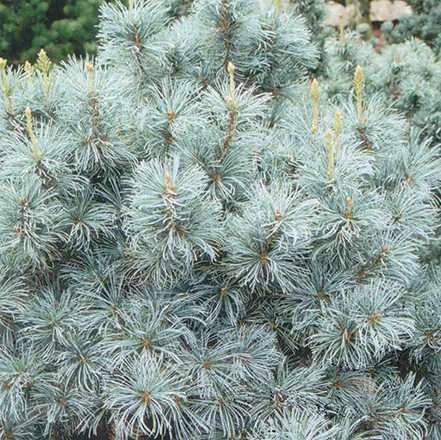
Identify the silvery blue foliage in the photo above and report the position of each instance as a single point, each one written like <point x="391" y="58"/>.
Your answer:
<point x="196" y="243"/>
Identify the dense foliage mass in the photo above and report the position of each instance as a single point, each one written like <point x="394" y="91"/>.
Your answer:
<point x="195" y="242"/>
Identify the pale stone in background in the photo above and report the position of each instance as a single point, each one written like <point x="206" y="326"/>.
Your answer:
<point x="381" y="10"/>
<point x="384" y="10"/>
<point x="338" y="15"/>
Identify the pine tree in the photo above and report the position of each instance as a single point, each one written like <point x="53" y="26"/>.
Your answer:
<point x="196" y="243"/>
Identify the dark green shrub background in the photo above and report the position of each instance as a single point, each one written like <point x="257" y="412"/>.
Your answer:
<point x="60" y="26"/>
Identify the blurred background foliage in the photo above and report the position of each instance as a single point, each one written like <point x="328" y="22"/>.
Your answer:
<point x="424" y="23"/>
